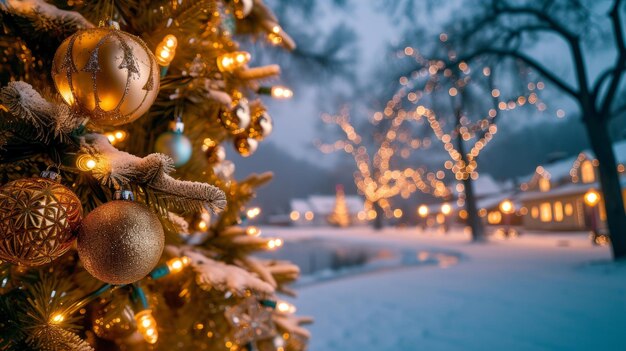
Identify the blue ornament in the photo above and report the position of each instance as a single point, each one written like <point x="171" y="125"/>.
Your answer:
<point x="175" y="145"/>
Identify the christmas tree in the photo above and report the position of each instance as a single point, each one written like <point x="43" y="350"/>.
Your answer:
<point x="101" y="247"/>
<point x="341" y="215"/>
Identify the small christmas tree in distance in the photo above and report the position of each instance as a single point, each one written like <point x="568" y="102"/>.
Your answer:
<point x="340" y="216"/>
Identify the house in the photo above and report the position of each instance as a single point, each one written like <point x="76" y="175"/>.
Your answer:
<point x="552" y="198"/>
<point x="315" y="209"/>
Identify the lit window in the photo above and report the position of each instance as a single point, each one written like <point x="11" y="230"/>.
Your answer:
<point x="544" y="184"/>
<point x="587" y="172"/>
<point x="558" y="211"/>
<point x="534" y="212"/>
<point x="569" y="209"/>
<point x="545" y="212"/>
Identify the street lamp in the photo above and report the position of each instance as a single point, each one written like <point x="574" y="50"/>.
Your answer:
<point x="422" y="211"/>
<point x="446" y="209"/>
<point x="507" y="208"/>
<point x="592" y="198"/>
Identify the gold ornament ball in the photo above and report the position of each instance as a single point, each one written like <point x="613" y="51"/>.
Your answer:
<point x="106" y="74"/>
<point x="39" y="219"/>
<point x="120" y="242"/>
<point x="237" y="119"/>
<point x="245" y="146"/>
<point x="113" y="320"/>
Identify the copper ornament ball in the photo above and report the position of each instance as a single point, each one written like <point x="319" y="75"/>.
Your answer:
<point x="107" y="75"/>
<point x="39" y="218"/>
<point x="120" y="242"/>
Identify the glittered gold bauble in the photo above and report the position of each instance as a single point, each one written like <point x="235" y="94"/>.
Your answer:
<point x="106" y="74"/>
<point x="114" y="319"/>
<point x="245" y="146"/>
<point x="237" y="119"/>
<point x="120" y="242"/>
<point x="39" y="219"/>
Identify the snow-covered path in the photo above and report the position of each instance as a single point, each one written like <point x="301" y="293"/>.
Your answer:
<point x="554" y="293"/>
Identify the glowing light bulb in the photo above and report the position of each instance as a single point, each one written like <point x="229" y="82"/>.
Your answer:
<point x="232" y="61"/>
<point x="253" y="212"/>
<point x="57" y="318"/>
<point x="592" y="197"/>
<point x="446" y="209"/>
<point x="146" y="326"/>
<point x="202" y="225"/>
<point x="422" y="211"/>
<point x="177" y="264"/>
<point x="86" y="163"/>
<point x="280" y="92"/>
<point x="120" y="135"/>
<point x="507" y="206"/>
<point x="166" y="50"/>
<point x="285" y="307"/>
<point x="253" y="231"/>
<point x="294" y="215"/>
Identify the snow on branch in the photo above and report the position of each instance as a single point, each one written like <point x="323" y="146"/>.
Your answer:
<point x="27" y="105"/>
<point x="115" y="167"/>
<point x="42" y="14"/>
<point x="213" y="274"/>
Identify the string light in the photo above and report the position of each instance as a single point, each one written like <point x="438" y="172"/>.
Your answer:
<point x="276" y="91"/>
<point x="146" y="326"/>
<point x="116" y="136"/>
<point x="253" y="212"/>
<point x="253" y="231"/>
<point x="274" y="36"/>
<point x="285" y="307"/>
<point x="422" y="211"/>
<point x="57" y="318"/>
<point x="166" y="50"/>
<point x="177" y="264"/>
<point x="232" y="61"/>
<point x="86" y="162"/>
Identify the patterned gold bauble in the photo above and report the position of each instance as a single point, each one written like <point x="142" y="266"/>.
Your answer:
<point x="261" y="125"/>
<point x="113" y="320"/>
<point x="245" y="146"/>
<point x="120" y="242"/>
<point x="106" y="74"/>
<point x="39" y="219"/>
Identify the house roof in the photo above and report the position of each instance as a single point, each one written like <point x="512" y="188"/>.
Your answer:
<point x="560" y="169"/>
<point x="485" y="185"/>
<point x="324" y="204"/>
<point x="568" y="189"/>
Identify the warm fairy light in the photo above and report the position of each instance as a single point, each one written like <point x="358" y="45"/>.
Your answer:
<point x="274" y="243"/>
<point x="86" y="163"/>
<point x="280" y="92"/>
<point x="202" y="225"/>
<point x="274" y="36"/>
<point x="397" y="213"/>
<point x="285" y="307"/>
<point x="166" y="50"/>
<point x="146" y="326"/>
<point x="507" y="206"/>
<point x="592" y="197"/>
<point x="309" y="215"/>
<point x="232" y="61"/>
<point x="294" y="215"/>
<point x="116" y="136"/>
<point x="57" y="318"/>
<point x="253" y="231"/>
<point x="422" y="211"/>
<point x="253" y="212"/>
<point x="446" y="209"/>
<point x="177" y="264"/>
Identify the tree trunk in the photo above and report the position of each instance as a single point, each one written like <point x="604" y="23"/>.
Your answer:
<point x="378" y="221"/>
<point x="473" y="220"/>
<point x="602" y="146"/>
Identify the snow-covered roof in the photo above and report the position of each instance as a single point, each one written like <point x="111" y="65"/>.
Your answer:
<point x="560" y="169"/>
<point x="485" y="185"/>
<point x="568" y="189"/>
<point x="324" y="204"/>
<point x="300" y="205"/>
<point x="495" y="200"/>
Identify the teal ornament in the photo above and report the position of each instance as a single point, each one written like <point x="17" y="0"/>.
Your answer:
<point x="174" y="144"/>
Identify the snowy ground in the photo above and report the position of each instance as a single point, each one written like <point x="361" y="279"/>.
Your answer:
<point x="536" y="292"/>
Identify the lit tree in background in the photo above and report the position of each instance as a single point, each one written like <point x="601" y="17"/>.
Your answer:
<point x="509" y="31"/>
<point x="151" y="267"/>
<point x="380" y="176"/>
<point x="340" y="215"/>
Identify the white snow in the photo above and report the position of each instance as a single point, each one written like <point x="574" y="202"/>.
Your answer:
<point x="536" y="292"/>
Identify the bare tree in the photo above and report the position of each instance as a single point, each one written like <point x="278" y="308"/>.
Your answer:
<point x="503" y="30"/>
